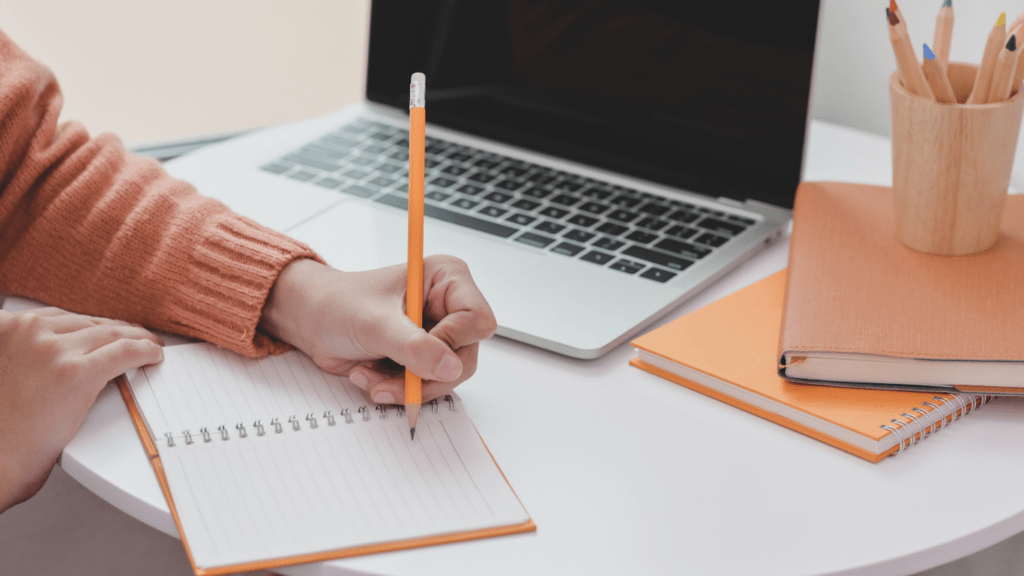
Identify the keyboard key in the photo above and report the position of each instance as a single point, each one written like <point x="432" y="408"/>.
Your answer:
<point x="611" y="229"/>
<point x="361" y="161"/>
<point x="430" y="163"/>
<point x="492" y="211"/>
<point x="513" y="170"/>
<point x="509" y="185"/>
<point x="579" y="236"/>
<point x="582" y="220"/>
<point x="464" y="203"/>
<point x="521" y="219"/>
<point x="683" y="216"/>
<point x="373" y="149"/>
<point x="328" y="182"/>
<point x="455" y="170"/>
<point x="711" y="240"/>
<point x="537" y="193"/>
<point x="641" y="237"/>
<point x="331" y="154"/>
<point x="565" y="200"/>
<point x="625" y="201"/>
<point x="569" y="185"/>
<point x="623" y="215"/>
<point x="361" y="191"/>
<point x="542" y="178"/>
<point x="652" y="224"/>
<point x="742" y="220"/>
<point x="380" y="136"/>
<point x="552" y="212"/>
<point x="442" y="182"/>
<point x="498" y="197"/>
<point x="568" y="249"/>
<point x="655" y="209"/>
<point x="487" y="163"/>
<point x="524" y="204"/>
<point x="312" y="162"/>
<point x="460" y="156"/>
<point x="609" y="244"/>
<point x="627" y="266"/>
<point x="437" y="195"/>
<point x="451" y="216"/>
<point x="721" y="226"/>
<point x="388" y="168"/>
<point x="277" y="167"/>
<point x="303" y="176"/>
<point x="356" y="174"/>
<point x="656" y="257"/>
<point x="680" y="231"/>
<point x="482" y="177"/>
<point x="597" y="257"/>
<point x="549" y="227"/>
<point x="683" y="248"/>
<point x="400" y="155"/>
<point x="596" y="193"/>
<point x="658" y="275"/>
<point x="470" y="190"/>
<point x="593" y="207"/>
<point x="535" y="240"/>
<point x="382" y="181"/>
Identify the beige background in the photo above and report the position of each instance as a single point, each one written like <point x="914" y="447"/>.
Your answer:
<point x="158" y="70"/>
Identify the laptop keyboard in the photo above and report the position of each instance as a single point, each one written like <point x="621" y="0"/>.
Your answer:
<point x="597" y="222"/>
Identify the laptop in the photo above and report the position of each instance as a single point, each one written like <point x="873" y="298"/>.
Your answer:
<point x="594" y="163"/>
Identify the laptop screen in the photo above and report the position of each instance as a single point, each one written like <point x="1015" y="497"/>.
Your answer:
<point x="706" y="96"/>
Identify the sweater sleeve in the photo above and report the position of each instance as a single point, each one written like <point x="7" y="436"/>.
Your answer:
<point x="88" y="227"/>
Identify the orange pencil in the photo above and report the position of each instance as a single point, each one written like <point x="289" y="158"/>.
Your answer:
<point x="993" y="45"/>
<point x="1006" y="66"/>
<point x="906" y="61"/>
<point x="943" y="32"/>
<point x="937" y="78"/>
<point x="414" y="274"/>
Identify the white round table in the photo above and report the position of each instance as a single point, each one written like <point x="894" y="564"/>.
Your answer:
<point x="626" y="473"/>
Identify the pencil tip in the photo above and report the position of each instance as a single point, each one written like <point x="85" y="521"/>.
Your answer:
<point x="947" y="3"/>
<point x="1011" y="44"/>
<point x="928" y="54"/>
<point x="412" y="433"/>
<point x="893" y="20"/>
<point x="892" y="6"/>
<point x="1002" y="19"/>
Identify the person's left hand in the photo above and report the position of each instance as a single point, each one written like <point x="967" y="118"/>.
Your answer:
<point x="353" y="323"/>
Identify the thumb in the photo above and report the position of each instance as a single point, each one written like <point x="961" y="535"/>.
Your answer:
<point x="425" y="355"/>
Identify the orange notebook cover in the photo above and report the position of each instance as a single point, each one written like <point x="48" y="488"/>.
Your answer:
<point x="863" y="309"/>
<point x="225" y="465"/>
<point x="727" y="350"/>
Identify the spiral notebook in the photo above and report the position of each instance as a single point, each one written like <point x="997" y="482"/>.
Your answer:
<point x="727" y="350"/>
<point x="272" y="462"/>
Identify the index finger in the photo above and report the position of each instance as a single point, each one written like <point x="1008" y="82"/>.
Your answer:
<point x="453" y="300"/>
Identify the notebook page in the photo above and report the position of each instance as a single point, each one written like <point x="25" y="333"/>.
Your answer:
<point x="357" y="482"/>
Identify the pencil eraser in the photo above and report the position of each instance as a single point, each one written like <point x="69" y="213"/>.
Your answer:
<point x="928" y="54"/>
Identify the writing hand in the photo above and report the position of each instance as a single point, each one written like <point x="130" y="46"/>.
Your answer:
<point x="351" y="322"/>
<point x="53" y="364"/>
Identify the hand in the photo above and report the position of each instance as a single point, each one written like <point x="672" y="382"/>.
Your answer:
<point x="53" y="364"/>
<point x="350" y="323"/>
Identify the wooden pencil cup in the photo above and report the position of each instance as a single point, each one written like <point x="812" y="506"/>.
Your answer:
<point x="951" y="166"/>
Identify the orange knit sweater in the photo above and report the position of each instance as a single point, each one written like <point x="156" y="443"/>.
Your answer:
<point x="88" y="227"/>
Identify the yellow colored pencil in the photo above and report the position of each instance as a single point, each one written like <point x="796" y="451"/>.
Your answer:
<point x="906" y="61"/>
<point x="1006" y="66"/>
<point x="937" y="78"/>
<point x="943" y="32"/>
<point x="993" y="45"/>
<point x="414" y="274"/>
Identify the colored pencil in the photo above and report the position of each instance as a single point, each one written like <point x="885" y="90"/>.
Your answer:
<point x="906" y="61"/>
<point x="993" y="45"/>
<point x="943" y="32"/>
<point x="937" y="78"/>
<point x="1018" y="76"/>
<point x="414" y="274"/>
<point x="1006" y="66"/>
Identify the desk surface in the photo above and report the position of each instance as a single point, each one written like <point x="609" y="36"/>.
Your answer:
<point x="624" y="472"/>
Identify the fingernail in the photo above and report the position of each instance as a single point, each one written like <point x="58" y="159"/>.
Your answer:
<point x="358" y="379"/>
<point x="384" y="398"/>
<point x="449" y="368"/>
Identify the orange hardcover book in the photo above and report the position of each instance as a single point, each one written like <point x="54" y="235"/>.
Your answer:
<point x="273" y="462"/>
<point x="727" y="350"/>
<point x="861" y="309"/>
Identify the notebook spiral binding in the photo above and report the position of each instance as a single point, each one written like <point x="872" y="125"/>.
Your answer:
<point x="911" y="429"/>
<point x="277" y="427"/>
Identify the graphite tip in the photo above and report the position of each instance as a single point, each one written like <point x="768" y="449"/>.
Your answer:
<point x="412" y="433"/>
<point x="1011" y="44"/>
<point x="947" y="3"/>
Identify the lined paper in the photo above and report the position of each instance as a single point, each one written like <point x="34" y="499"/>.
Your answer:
<point x="310" y="490"/>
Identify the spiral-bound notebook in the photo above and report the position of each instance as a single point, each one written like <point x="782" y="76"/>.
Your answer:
<point x="272" y="462"/>
<point x="727" y="350"/>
